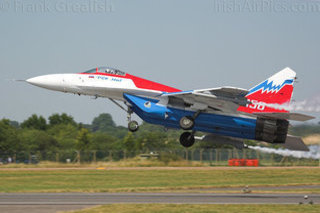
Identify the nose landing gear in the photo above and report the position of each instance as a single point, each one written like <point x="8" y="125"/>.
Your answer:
<point x="133" y="126"/>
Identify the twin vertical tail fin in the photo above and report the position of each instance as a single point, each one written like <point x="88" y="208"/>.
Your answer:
<point x="272" y="95"/>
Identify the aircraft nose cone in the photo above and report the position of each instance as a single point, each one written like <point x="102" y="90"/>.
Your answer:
<point x="52" y="82"/>
<point x="37" y="81"/>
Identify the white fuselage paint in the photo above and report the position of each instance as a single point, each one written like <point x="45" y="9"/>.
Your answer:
<point x="92" y="85"/>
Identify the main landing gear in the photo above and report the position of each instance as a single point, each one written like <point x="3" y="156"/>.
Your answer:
<point x="187" y="123"/>
<point x="187" y="139"/>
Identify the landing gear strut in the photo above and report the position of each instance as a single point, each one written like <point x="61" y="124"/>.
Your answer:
<point x="132" y="125"/>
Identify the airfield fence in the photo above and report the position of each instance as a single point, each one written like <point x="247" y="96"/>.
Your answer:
<point x="212" y="157"/>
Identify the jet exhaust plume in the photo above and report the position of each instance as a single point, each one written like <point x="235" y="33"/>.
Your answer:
<point x="314" y="152"/>
<point x="308" y="105"/>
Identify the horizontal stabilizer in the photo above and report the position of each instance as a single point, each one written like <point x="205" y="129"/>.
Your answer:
<point x="295" y="143"/>
<point x="285" y="115"/>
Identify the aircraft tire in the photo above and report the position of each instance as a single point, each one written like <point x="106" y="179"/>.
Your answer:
<point x="186" y="139"/>
<point x="133" y="126"/>
<point x="186" y="123"/>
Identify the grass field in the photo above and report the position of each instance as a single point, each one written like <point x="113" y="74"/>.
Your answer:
<point x="122" y="163"/>
<point x="178" y="208"/>
<point x="150" y="179"/>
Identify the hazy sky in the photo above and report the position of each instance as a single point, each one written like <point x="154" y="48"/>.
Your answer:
<point x="185" y="44"/>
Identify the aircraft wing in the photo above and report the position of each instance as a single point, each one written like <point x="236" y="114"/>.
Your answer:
<point x="224" y="99"/>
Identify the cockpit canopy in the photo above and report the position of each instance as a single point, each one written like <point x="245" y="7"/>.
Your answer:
<point x="107" y="70"/>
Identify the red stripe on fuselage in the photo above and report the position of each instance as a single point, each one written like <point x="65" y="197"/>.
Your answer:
<point x="140" y="82"/>
<point x="146" y="84"/>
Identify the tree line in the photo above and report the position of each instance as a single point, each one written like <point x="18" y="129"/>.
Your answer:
<point x="61" y="132"/>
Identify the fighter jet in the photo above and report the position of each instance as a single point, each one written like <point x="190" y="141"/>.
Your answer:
<point x="224" y="113"/>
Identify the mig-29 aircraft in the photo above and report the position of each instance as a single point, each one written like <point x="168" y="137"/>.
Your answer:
<point x="226" y="114"/>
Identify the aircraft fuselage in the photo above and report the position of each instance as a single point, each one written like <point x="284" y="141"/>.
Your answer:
<point x="225" y="111"/>
<point x="100" y="85"/>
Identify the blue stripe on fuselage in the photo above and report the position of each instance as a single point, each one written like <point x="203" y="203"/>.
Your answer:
<point x="148" y="110"/>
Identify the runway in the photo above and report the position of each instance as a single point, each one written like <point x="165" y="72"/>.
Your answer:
<point x="107" y="198"/>
<point x="52" y="202"/>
